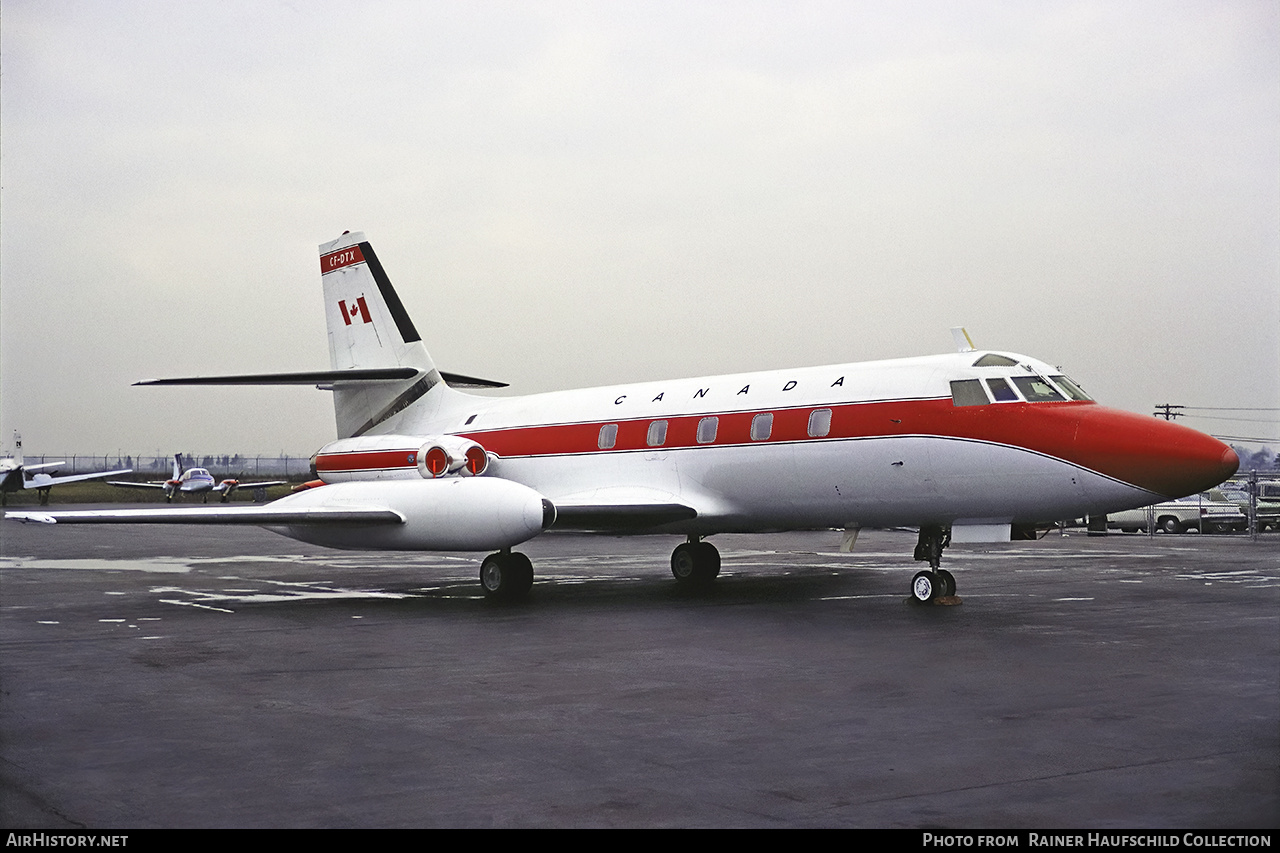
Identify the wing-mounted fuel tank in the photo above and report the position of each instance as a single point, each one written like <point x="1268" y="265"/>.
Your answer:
<point x="399" y="457"/>
<point x="445" y="514"/>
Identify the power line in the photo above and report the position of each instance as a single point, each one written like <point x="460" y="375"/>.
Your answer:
<point x="1239" y="420"/>
<point x="1230" y="408"/>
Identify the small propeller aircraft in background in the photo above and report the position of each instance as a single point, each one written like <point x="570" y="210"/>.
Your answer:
<point x="13" y="475"/>
<point x="197" y="481"/>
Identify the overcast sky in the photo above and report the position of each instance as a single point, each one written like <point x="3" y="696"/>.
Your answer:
<point x="570" y="194"/>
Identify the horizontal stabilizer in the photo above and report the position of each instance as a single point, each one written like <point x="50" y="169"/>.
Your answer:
<point x="262" y="516"/>
<point x="326" y="377"/>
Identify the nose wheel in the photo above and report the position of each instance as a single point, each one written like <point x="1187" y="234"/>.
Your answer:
<point x="937" y="582"/>
<point x="926" y="586"/>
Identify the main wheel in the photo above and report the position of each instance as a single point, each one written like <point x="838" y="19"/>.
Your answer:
<point x="506" y="576"/>
<point x="695" y="562"/>
<point x="924" y="587"/>
<point x="947" y="583"/>
<point x="708" y="560"/>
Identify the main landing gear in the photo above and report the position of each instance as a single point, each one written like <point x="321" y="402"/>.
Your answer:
<point x="695" y="562"/>
<point x="506" y="575"/>
<point x="937" y="582"/>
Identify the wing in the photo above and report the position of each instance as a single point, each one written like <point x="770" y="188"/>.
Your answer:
<point x="224" y="485"/>
<point x="262" y="516"/>
<point x="42" y="466"/>
<point x="43" y="481"/>
<point x="127" y="484"/>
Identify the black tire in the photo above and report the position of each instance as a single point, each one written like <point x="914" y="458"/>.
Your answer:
<point x="695" y="563"/>
<point x="947" y="583"/>
<point x="924" y="587"/>
<point x="708" y="560"/>
<point x="506" y="577"/>
<point x="522" y="575"/>
<point x="1169" y="524"/>
<point x="684" y="562"/>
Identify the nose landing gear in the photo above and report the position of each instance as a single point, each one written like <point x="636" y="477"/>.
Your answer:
<point x="937" y="583"/>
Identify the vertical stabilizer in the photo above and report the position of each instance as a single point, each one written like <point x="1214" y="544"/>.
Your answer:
<point x="369" y="328"/>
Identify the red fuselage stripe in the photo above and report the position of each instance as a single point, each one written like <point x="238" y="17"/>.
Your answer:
<point x="849" y="420"/>
<point x="1159" y="456"/>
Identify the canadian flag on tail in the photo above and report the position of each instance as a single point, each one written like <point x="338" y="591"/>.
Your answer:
<point x="360" y="308"/>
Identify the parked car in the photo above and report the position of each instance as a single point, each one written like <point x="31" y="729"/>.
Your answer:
<point x="1207" y="512"/>
<point x="1268" y="508"/>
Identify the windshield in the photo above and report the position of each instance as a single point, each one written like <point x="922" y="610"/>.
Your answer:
<point x="1036" y="389"/>
<point x="1069" y="388"/>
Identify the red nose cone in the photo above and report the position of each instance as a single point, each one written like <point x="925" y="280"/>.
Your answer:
<point x="1159" y="456"/>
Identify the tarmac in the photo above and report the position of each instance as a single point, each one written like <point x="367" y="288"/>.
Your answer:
<point x="226" y="677"/>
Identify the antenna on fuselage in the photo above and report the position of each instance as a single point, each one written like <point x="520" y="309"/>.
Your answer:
<point x="963" y="342"/>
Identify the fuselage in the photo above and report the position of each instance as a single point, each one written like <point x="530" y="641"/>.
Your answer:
<point x="962" y="438"/>
<point x="194" y="480"/>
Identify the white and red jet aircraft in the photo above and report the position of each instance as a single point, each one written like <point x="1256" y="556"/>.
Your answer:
<point x="195" y="481"/>
<point x="968" y="446"/>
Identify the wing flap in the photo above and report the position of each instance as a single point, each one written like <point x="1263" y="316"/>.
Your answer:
<point x="620" y="516"/>
<point x="622" y="509"/>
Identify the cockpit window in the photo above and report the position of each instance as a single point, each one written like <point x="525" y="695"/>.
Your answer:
<point x="993" y="360"/>
<point x="1070" y="388"/>
<point x="1001" y="390"/>
<point x="968" y="392"/>
<point x="1036" y="389"/>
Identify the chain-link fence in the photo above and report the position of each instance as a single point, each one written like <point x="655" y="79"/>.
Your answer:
<point x="161" y="467"/>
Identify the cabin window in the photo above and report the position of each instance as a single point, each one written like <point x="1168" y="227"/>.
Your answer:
<point x="819" y="423"/>
<point x="762" y="426"/>
<point x="608" y="436"/>
<point x="707" y="428"/>
<point x="993" y="360"/>
<point x="1070" y="388"/>
<point x="657" y="434"/>
<point x="968" y="392"/>
<point x="1036" y="389"/>
<point x="1001" y="390"/>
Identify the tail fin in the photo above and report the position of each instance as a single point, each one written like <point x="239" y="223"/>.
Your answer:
<point x="369" y="328"/>
<point x="177" y="466"/>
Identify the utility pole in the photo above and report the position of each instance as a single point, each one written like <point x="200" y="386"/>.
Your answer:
<point x="1169" y="414"/>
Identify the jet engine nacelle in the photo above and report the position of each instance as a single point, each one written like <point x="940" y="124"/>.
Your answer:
<point x="399" y="457"/>
<point x="448" y="514"/>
